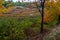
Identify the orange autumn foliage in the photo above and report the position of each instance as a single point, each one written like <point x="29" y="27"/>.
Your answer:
<point x="51" y="10"/>
<point x="48" y="16"/>
<point x="1" y="14"/>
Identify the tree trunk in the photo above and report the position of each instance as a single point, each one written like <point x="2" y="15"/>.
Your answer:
<point x="58" y="18"/>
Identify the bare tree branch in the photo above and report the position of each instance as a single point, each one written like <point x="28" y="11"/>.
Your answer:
<point x="37" y="6"/>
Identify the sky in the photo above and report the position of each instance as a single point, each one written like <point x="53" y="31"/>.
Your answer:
<point x="24" y="1"/>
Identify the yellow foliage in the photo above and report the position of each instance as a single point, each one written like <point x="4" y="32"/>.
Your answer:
<point x="51" y="9"/>
<point x="2" y="8"/>
<point x="1" y="2"/>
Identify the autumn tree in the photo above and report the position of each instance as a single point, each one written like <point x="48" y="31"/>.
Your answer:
<point x="52" y="9"/>
<point x="2" y="8"/>
<point x="5" y="6"/>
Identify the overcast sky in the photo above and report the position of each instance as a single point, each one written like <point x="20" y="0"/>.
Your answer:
<point x="24" y="1"/>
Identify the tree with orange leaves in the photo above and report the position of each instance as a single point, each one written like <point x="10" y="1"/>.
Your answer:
<point x="52" y="9"/>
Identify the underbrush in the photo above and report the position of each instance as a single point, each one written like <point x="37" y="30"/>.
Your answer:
<point x="12" y="28"/>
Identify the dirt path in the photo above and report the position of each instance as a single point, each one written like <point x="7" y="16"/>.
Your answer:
<point x="53" y="32"/>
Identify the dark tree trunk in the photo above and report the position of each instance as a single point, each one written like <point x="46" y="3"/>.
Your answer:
<point x="58" y="19"/>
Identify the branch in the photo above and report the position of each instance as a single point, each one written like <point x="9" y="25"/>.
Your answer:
<point x="37" y="7"/>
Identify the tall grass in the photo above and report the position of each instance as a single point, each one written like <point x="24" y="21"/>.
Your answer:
<point x="13" y="27"/>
